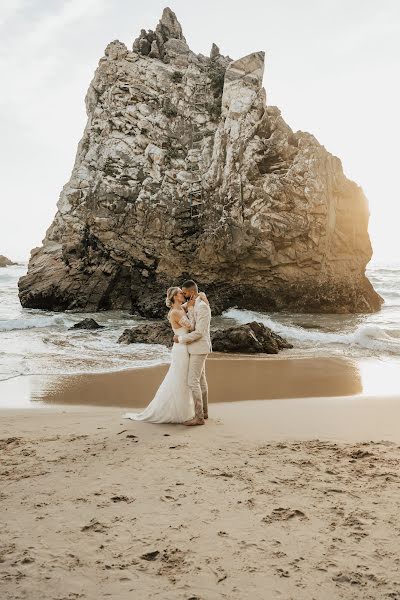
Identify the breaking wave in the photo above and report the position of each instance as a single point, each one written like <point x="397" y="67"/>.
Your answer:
<point x="32" y="322"/>
<point x="371" y="337"/>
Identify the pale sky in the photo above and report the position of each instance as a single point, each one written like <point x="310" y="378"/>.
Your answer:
<point x="332" y="67"/>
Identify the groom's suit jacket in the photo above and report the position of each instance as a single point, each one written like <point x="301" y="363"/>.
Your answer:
<point x="199" y="340"/>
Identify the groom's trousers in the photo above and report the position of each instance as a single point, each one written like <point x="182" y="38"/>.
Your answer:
<point x="198" y="384"/>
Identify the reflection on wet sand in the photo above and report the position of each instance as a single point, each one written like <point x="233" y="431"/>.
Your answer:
<point x="230" y="379"/>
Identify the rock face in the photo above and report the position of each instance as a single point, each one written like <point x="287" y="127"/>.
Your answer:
<point x="250" y="338"/>
<point x="87" y="324"/>
<point x="6" y="262"/>
<point x="183" y="170"/>
<point x="148" y="333"/>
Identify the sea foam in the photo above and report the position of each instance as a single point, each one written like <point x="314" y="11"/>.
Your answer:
<point x="372" y="337"/>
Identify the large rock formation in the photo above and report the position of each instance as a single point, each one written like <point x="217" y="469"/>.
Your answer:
<point x="183" y="170"/>
<point x="6" y="262"/>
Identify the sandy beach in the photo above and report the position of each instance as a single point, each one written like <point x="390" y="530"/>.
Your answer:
<point x="96" y="507"/>
<point x="291" y="498"/>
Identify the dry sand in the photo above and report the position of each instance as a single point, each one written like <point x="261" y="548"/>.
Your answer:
<point x="96" y="507"/>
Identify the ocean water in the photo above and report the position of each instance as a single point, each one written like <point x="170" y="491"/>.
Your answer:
<point x="40" y="342"/>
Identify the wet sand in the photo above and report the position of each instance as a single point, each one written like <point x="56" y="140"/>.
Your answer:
<point x="230" y="379"/>
<point x="274" y="398"/>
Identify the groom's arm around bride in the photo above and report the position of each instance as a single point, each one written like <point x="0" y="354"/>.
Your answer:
<point x="201" y="330"/>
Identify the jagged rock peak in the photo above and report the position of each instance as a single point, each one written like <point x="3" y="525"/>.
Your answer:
<point x="243" y="81"/>
<point x="116" y="50"/>
<point x="167" y="36"/>
<point x="214" y="51"/>
<point x="169" y="26"/>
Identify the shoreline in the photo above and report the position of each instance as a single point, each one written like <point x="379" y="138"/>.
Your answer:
<point x="258" y="398"/>
<point x="231" y="378"/>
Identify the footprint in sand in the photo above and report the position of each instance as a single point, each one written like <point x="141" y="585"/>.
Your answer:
<point x="284" y="514"/>
<point x="357" y="578"/>
<point x="168" y="499"/>
<point x="122" y="499"/>
<point x="96" y="526"/>
<point x="282" y="573"/>
<point x="11" y="442"/>
<point x="150" y="555"/>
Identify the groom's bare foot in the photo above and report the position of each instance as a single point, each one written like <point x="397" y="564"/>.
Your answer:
<point x="195" y="421"/>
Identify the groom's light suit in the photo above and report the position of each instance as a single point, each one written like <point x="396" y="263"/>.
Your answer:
<point x="199" y="345"/>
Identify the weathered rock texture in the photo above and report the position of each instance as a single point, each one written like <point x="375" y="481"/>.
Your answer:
<point x="6" y="262"/>
<point x="250" y="338"/>
<point x="149" y="333"/>
<point x="183" y="170"/>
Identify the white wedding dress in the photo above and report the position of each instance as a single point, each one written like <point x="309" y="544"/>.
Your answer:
<point x="173" y="401"/>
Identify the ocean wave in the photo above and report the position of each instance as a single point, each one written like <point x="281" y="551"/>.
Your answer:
<point x="7" y="376"/>
<point x="41" y="368"/>
<point x="392" y="291"/>
<point x="371" y="337"/>
<point x="31" y="322"/>
<point x="395" y="268"/>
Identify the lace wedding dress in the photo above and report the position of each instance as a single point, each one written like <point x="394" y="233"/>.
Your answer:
<point x="173" y="402"/>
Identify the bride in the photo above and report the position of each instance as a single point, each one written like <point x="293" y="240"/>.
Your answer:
<point x="173" y="402"/>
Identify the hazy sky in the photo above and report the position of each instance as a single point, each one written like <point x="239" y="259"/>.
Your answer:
<point x="332" y="66"/>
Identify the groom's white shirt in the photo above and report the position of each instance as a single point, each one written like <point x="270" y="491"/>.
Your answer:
<point x="199" y="340"/>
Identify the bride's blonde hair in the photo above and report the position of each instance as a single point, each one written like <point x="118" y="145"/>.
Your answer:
<point x="171" y="293"/>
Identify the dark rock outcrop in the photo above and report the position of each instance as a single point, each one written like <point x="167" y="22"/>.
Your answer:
<point x="250" y="338"/>
<point x="148" y="333"/>
<point x="183" y="170"/>
<point x="87" y="324"/>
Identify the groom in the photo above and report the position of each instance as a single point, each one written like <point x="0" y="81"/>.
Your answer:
<point x="199" y="345"/>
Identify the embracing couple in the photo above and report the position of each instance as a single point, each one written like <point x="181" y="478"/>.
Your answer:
<point x="183" y="395"/>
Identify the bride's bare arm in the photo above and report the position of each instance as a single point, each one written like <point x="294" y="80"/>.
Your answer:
<point x="179" y="319"/>
<point x="184" y="322"/>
